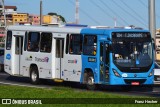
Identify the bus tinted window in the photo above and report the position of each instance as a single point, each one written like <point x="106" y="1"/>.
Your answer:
<point x="59" y="48"/>
<point x="67" y="44"/>
<point x="90" y="45"/>
<point x="46" y="42"/>
<point x="75" y="44"/>
<point x="1" y="52"/>
<point x="9" y="40"/>
<point x="25" y="43"/>
<point x="33" y="41"/>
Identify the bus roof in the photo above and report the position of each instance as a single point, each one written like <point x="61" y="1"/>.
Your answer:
<point x="109" y="30"/>
<point x="64" y="29"/>
<point x="45" y="29"/>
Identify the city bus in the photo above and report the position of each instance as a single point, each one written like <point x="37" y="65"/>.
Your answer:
<point x="91" y="56"/>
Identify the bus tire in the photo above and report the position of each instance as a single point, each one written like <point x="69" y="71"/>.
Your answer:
<point x="90" y="81"/>
<point x="1" y="68"/>
<point x="34" y="76"/>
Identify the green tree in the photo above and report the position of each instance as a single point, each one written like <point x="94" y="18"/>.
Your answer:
<point x="61" y="17"/>
<point x="51" y="14"/>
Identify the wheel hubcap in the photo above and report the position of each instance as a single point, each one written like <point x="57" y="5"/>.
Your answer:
<point x="90" y="81"/>
<point x="34" y="76"/>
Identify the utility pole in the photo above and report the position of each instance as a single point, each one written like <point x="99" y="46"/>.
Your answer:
<point x="41" y="14"/>
<point x="152" y="20"/>
<point x="3" y="23"/>
<point x="77" y="12"/>
<point x="3" y="13"/>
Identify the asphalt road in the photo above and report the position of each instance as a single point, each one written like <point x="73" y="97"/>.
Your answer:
<point x="135" y="91"/>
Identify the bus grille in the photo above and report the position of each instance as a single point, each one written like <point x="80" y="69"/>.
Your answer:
<point x="129" y="81"/>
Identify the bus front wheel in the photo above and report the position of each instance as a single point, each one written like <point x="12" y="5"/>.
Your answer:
<point x="34" y="76"/>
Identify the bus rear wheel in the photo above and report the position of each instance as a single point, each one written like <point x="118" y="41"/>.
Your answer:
<point x="90" y="81"/>
<point x="34" y="76"/>
<point x="1" y="68"/>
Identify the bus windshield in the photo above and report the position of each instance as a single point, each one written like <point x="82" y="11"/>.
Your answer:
<point x="132" y="54"/>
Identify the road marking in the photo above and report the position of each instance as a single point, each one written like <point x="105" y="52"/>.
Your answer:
<point x="22" y="85"/>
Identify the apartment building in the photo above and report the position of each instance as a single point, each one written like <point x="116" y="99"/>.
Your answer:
<point x="20" y="18"/>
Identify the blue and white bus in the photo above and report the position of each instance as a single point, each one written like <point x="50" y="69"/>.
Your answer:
<point x="80" y="54"/>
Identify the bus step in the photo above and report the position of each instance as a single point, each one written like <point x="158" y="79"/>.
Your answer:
<point x="58" y="80"/>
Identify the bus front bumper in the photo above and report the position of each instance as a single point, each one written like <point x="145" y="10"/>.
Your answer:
<point x="132" y="81"/>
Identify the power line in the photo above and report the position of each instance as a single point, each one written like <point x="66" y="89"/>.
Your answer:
<point x="146" y="6"/>
<point x="129" y="13"/>
<point x="104" y="11"/>
<point x="143" y="3"/>
<point x="133" y="10"/>
<point x="85" y="13"/>
<point x="105" y="4"/>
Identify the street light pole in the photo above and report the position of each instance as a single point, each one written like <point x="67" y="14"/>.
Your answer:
<point x="41" y="14"/>
<point x="3" y="12"/>
<point x="77" y="12"/>
<point x="152" y="20"/>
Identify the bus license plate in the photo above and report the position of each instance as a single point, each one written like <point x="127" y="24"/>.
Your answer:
<point x="135" y="83"/>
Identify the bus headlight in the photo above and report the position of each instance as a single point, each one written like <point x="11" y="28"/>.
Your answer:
<point x="116" y="73"/>
<point x="151" y="73"/>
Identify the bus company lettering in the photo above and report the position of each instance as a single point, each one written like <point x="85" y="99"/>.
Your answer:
<point x="46" y="59"/>
<point x="73" y="61"/>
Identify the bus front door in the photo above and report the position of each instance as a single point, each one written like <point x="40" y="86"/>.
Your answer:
<point x="59" y="56"/>
<point x="18" y="52"/>
<point x="104" y="62"/>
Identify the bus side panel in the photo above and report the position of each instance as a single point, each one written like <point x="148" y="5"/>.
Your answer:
<point x="72" y="66"/>
<point x="91" y="66"/>
<point x="7" y="62"/>
<point x="41" y="60"/>
<point x="26" y="61"/>
<point x="53" y="63"/>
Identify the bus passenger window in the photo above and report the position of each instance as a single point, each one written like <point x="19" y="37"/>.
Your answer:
<point x="46" y="42"/>
<point x="90" y="45"/>
<point x="75" y="44"/>
<point x="33" y="41"/>
<point x="9" y="40"/>
<point x="25" y="42"/>
<point x="67" y="43"/>
<point x="18" y="45"/>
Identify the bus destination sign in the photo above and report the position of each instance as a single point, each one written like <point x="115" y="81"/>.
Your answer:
<point x="130" y="35"/>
